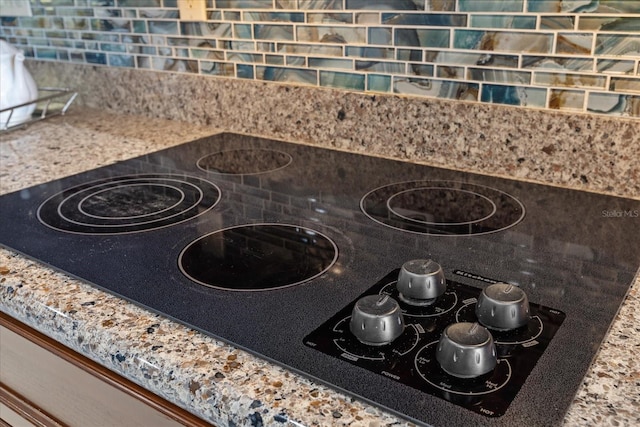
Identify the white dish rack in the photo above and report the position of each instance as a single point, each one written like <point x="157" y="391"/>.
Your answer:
<point x="51" y="102"/>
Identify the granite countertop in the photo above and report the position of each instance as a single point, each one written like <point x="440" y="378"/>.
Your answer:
<point x="216" y="381"/>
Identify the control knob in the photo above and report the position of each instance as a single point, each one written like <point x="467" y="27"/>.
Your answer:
<point x="376" y="320"/>
<point x="503" y="307"/>
<point x="466" y="350"/>
<point x="420" y="282"/>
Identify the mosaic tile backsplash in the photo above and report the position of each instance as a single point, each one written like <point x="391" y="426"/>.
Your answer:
<point x="570" y="55"/>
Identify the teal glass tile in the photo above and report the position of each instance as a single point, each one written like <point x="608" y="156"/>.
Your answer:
<point x="340" y="80"/>
<point x="471" y="58"/>
<point x="491" y="6"/>
<point x="609" y="23"/>
<point x="148" y="50"/>
<point x="181" y="52"/>
<point x="557" y="63"/>
<point x="379" y="36"/>
<point x="290" y="75"/>
<point x="516" y="22"/>
<point x="625" y="84"/>
<point x="121" y="60"/>
<point x="174" y="3"/>
<point x="433" y="88"/>
<point x="63" y="11"/>
<point x="418" y="37"/>
<point x="244" y="71"/>
<point x="139" y="26"/>
<point x="380" y="4"/>
<point x="514" y="95"/>
<point x="110" y="47"/>
<point x="319" y="18"/>
<point x="61" y="2"/>
<point x="44" y="53"/>
<point x="492" y="75"/>
<point x="239" y="46"/>
<point x="369" y="52"/>
<point x="570" y="100"/>
<point x="615" y="66"/>
<point x="378" y="83"/>
<point x="548" y="6"/>
<point x="244" y="4"/>
<point x="216" y="68"/>
<point x="319" y="4"/>
<point x="344" y="64"/>
<point x="274" y="17"/>
<point x="618" y="45"/>
<point x="133" y="3"/>
<point x="425" y="19"/>
<point x="242" y="31"/>
<point x="503" y="41"/>
<point x="382" y="67"/>
<point x="408" y="54"/>
<point x="56" y="34"/>
<point x="274" y="59"/>
<point x="273" y="32"/>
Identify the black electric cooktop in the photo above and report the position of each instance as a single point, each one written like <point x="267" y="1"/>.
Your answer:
<point x="275" y="247"/>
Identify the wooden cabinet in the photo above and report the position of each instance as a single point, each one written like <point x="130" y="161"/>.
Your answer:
<point x="43" y="383"/>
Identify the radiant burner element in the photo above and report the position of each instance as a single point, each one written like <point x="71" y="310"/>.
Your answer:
<point x="441" y="348"/>
<point x="442" y="208"/>
<point x="128" y="204"/>
<point x="249" y="161"/>
<point x="258" y="257"/>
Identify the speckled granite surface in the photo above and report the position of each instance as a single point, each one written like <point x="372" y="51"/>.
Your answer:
<point x="221" y="384"/>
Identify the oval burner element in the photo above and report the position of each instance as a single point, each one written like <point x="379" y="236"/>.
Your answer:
<point x="244" y="161"/>
<point x="258" y="257"/>
<point x="442" y="208"/>
<point x="128" y="204"/>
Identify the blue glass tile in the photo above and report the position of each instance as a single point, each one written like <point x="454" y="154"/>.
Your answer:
<point x="342" y="80"/>
<point x="382" y="67"/>
<point x="408" y="54"/>
<point x="319" y="4"/>
<point x="232" y="15"/>
<point x="379" y="36"/>
<point x="313" y="17"/>
<point x="491" y="5"/>
<point x="244" y="71"/>
<point x="369" y="52"/>
<point x="609" y="23"/>
<point x="96" y="58"/>
<point x="244" y="4"/>
<point x="139" y="26"/>
<point x="296" y="61"/>
<point x="422" y="37"/>
<point x="44" y="53"/>
<point x="504" y="21"/>
<point x="503" y="41"/>
<point x="514" y="95"/>
<point x="378" y="83"/>
<point x="242" y="31"/>
<point x="109" y="47"/>
<point x="614" y="66"/>
<point x="425" y="19"/>
<point x="274" y="17"/>
<point x="380" y="4"/>
<point x="614" y="104"/>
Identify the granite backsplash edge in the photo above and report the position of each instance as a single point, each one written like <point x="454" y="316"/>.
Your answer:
<point x="583" y="151"/>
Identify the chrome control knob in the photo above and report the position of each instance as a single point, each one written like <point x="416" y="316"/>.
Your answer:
<point x="376" y="320"/>
<point x="420" y="282"/>
<point x="503" y="307"/>
<point x="466" y="350"/>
